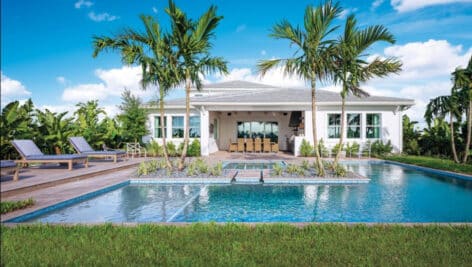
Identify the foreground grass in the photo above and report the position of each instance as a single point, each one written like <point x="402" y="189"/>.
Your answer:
<point x="435" y="163"/>
<point x="236" y="245"/>
<point x="9" y="206"/>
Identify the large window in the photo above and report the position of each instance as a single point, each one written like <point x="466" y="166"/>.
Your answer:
<point x="334" y="125"/>
<point x="354" y="125"/>
<point x="177" y="127"/>
<point x="373" y="125"/>
<point x="157" y="127"/>
<point x="194" y="129"/>
<point x="257" y="129"/>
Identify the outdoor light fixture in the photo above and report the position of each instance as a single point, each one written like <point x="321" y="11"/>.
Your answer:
<point x="229" y="114"/>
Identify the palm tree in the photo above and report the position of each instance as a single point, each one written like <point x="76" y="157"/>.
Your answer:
<point x="87" y="122"/>
<point x="152" y="50"/>
<point x="312" y="60"/>
<point x="192" y="43"/>
<point x="440" y="107"/>
<point x="462" y="79"/>
<point x="351" y="68"/>
<point x="55" y="128"/>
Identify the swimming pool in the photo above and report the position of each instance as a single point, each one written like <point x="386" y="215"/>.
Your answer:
<point x="258" y="165"/>
<point x="395" y="194"/>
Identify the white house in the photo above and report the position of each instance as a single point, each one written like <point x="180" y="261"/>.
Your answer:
<point x="223" y="112"/>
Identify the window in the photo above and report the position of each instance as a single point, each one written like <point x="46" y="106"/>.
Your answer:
<point x="372" y="125"/>
<point x="257" y="129"/>
<point x="354" y="125"/>
<point x="157" y="127"/>
<point x="334" y="125"/>
<point x="194" y="129"/>
<point x="177" y="126"/>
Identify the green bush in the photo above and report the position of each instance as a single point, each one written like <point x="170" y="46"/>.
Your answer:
<point x="9" y="206"/>
<point x="352" y="149"/>
<point x="336" y="148"/>
<point x="306" y="150"/>
<point x="217" y="170"/>
<point x="171" y="149"/>
<point x="379" y="149"/>
<point x="324" y="152"/>
<point x="194" y="149"/>
<point x="278" y="169"/>
<point x="154" y="149"/>
<point x="305" y="164"/>
<point x="148" y="167"/>
<point x="340" y="170"/>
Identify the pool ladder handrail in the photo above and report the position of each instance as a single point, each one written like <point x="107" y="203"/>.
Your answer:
<point x="234" y="177"/>
<point x="261" y="179"/>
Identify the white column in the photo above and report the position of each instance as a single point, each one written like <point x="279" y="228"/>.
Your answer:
<point x="204" y="131"/>
<point x="308" y="126"/>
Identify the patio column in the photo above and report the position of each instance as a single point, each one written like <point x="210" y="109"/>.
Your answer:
<point x="204" y="131"/>
<point x="308" y="126"/>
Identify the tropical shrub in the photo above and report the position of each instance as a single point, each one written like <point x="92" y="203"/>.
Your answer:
<point x="194" y="149"/>
<point x="336" y="148"/>
<point x="379" y="149"/>
<point x="324" y="152"/>
<point x="132" y="118"/>
<point x="171" y="149"/>
<point x="306" y="150"/>
<point x="352" y="149"/>
<point x="305" y="164"/>
<point x="154" y="149"/>
<point x="217" y="170"/>
<point x="278" y="169"/>
<point x="340" y="170"/>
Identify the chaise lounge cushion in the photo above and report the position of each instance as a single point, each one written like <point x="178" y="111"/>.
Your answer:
<point x="7" y="164"/>
<point x="81" y="145"/>
<point x="30" y="151"/>
<point x="57" y="157"/>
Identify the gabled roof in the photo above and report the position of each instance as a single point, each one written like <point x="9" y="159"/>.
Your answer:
<point x="288" y="96"/>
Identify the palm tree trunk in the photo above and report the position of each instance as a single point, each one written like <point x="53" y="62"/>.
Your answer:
<point x="319" y="163"/>
<point x="453" y="142"/>
<point x="469" y="132"/>
<point x="341" y="137"/>
<point x="164" y="144"/>
<point x="188" y="83"/>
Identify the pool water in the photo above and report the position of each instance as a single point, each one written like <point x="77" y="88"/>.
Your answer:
<point x="395" y="194"/>
<point x="252" y="165"/>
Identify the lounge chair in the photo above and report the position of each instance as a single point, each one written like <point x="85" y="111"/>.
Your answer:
<point x="240" y="145"/>
<point x="83" y="148"/>
<point x="257" y="145"/>
<point x="266" y="144"/>
<point x="233" y="147"/>
<point x="135" y="149"/>
<point x="30" y="153"/>
<point x="10" y="166"/>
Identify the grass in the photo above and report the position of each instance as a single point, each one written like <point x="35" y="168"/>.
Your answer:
<point x="9" y="206"/>
<point x="435" y="163"/>
<point x="236" y="245"/>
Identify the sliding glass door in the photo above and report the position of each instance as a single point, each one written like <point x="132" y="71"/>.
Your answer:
<point x="258" y="129"/>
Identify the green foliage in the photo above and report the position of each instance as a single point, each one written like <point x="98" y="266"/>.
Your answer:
<point x="16" y="122"/>
<point x="336" y="148"/>
<point x="340" y="170"/>
<point x="171" y="149"/>
<point x="410" y="136"/>
<point x="194" y="149"/>
<point x="55" y="129"/>
<point x="295" y="169"/>
<point x="435" y="163"/>
<point x="154" y="149"/>
<point x="436" y="139"/>
<point x="277" y="169"/>
<point x="306" y="150"/>
<point x="87" y="123"/>
<point x="262" y="244"/>
<point x="305" y="164"/>
<point x="324" y="152"/>
<point x="9" y="206"/>
<point x="132" y="118"/>
<point x="352" y="150"/>
<point x="199" y="166"/>
<point x="217" y="170"/>
<point x="379" y="149"/>
<point x="148" y="167"/>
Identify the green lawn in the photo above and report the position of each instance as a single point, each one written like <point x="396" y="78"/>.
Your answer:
<point x="435" y="163"/>
<point x="236" y="245"/>
<point x="9" y="206"/>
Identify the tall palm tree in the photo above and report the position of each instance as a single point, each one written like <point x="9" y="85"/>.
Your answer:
<point x="312" y="60"/>
<point x="440" y="107"/>
<point x="351" y="66"/>
<point x="151" y="50"/>
<point x="192" y="43"/>
<point x="462" y="79"/>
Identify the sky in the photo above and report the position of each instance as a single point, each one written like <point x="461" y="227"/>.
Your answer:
<point x="46" y="46"/>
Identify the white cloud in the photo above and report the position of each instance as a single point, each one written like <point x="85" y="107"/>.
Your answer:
<point x="12" y="89"/>
<point x="272" y="77"/>
<point x="112" y="84"/>
<point x="155" y="10"/>
<point x="410" y="5"/>
<point x="102" y="17"/>
<point x="430" y="59"/>
<point x="62" y="80"/>
<point x="346" y="12"/>
<point x="81" y="3"/>
<point x="241" y="28"/>
<point x="376" y="4"/>
<point x="263" y="52"/>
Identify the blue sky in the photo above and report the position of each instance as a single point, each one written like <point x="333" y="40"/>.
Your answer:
<point x="46" y="46"/>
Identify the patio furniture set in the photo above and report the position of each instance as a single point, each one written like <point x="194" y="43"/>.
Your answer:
<point x="254" y="145"/>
